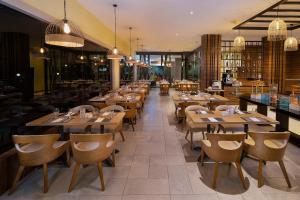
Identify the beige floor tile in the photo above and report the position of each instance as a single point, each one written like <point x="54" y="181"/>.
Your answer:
<point x="146" y="197"/>
<point x="158" y="172"/>
<point x="147" y="186"/>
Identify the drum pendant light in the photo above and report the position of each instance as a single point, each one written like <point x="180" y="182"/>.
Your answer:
<point x="130" y="60"/>
<point x="64" y="33"/>
<point x="115" y="52"/>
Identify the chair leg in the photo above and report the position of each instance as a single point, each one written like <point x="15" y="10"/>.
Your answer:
<point x="122" y="135"/>
<point x="17" y="178"/>
<point x="45" y="171"/>
<point x="260" y="176"/>
<point x="240" y="173"/>
<point x="202" y="157"/>
<point x="285" y="173"/>
<point x="100" y="171"/>
<point x="74" y="176"/>
<point x="192" y="144"/>
<point x="113" y="156"/>
<point x="131" y="122"/>
<point x="68" y="158"/>
<point x="215" y="175"/>
<point x="203" y="135"/>
<point x="187" y="133"/>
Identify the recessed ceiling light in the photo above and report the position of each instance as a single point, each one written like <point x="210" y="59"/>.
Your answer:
<point x="191" y="12"/>
<point x="176" y="34"/>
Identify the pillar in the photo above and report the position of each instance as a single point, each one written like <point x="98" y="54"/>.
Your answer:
<point x="210" y="68"/>
<point x="115" y="74"/>
<point x="135" y="73"/>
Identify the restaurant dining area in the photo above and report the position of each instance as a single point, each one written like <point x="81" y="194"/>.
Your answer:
<point x="149" y="100"/>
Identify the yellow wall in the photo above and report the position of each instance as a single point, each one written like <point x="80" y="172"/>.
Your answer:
<point x="92" y="28"/>
<point x="38" y="65"/>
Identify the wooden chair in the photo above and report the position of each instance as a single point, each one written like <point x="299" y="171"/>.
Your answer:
<point x="91" y="149"/>
<point x="36" y="150"/>
<point x="181" y="109"/>
<point x="79" y="128"/>
<point x="268" y="146"/>
<point x="99" y="105"/>
<point x="130" y="112"/>
<point x="164" y="88"/>
<point x="224" y="148"/>
<point x="228" y="127"/>
<point x="110" y="128"/>
<point x="191" y="128"/>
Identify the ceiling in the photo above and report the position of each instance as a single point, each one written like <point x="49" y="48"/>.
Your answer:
<point x="177" y="25"/>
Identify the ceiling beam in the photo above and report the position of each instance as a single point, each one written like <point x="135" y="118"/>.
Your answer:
<point x="261" y="13"/>
<point x="258" y="28"/>
<point x="269" y="21"/>
<point x="284" y="10"/>
<point x="280" y="16"/>
<point x="161" y="53"/>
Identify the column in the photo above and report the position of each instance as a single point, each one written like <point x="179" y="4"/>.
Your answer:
<point x="210" y="68"/>
<point x="115" y="74"/>
<point x="135" y="72"/>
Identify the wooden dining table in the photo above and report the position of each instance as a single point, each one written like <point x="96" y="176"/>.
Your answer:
<point x="245" y="118"/>
<point x="115" y="99"/>
<point x="62" y="119"/>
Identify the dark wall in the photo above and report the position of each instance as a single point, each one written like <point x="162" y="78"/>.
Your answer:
<point x="14" y="59"/>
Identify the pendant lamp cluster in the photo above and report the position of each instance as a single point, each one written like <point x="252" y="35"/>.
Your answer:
<point x="64" y="33"/>
<point x="277" y="31"/>
<point x="130" y="60"/>
<point x="239" y="43"/>
<point x="114" y="55"/>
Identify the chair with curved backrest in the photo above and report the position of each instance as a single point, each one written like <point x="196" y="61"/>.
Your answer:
<point x="79" y="128"/>
<point x="224" y="148"/>
<point x="164" y="88"/>
<point x="99" y="105"/>
<point x="181" y="109"/>
<point x="110" y="128"/>
<point x="191" y="128"/>
<point x="130" y="112"/>
<point x="268" y="146"/>
<point x="140" y="102"/>
<point x="91" y="149"/>
<point x="229" y="127"/>
<point x="35" y="150"/>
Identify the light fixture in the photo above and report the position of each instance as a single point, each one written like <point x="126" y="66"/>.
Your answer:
<point x="291" y="43"/>
<point x="137" y="48"/>
<point x="277" y="30"/>
<point x="64" y="33"/>
<point x="239" y="43"/>
<point x="42" y="50"/>
<point x="18" y="74"/>
<point x="115" y="53"/>
<point x="191" y="12"/>
<point x="130" y="60"/>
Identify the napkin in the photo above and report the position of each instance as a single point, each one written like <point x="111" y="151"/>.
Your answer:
<point x="203" y="112"/>
<point x="254" y="119"/>
<point x="58" y="120"/>
<point x="105" y="114"/>
<point x="100" y="119"/>
<point x="212" y="119"/>
<point x="239" y="112"/>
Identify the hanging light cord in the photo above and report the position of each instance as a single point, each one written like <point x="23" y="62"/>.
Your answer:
<point x="115" y="12"/>
<point x="65" y="11"/>
<point x="130" y="28"/>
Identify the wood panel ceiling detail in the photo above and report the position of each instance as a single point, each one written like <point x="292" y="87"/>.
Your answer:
<point x="288" y="10"/>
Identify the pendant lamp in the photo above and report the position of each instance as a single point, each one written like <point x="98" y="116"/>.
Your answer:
<point x="291" y="43"/>
<point x="130" y="60"/>
<point x="239" y="43"/>
<point x="277" y="30"/>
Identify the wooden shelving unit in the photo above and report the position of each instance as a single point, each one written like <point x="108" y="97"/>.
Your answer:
<point x="245" y="64"/>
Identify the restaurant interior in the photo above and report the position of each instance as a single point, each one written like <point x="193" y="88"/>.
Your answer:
<point x="149" y="100"/>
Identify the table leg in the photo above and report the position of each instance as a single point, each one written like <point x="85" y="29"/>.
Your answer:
<point x="284" y="121"/>
<point x="262" y="109"/>
<point x="243" y="105"/>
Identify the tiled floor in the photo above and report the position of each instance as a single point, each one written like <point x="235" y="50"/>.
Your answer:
<point x="155" y="163"/>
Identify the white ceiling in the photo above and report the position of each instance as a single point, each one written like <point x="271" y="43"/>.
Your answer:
<point x="165" y="25"/>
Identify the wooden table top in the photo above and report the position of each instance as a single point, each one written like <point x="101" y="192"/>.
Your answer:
<point x="62" y="120"/>
<point x="114" y="99"/>
<point x="225" y="118"/>
<point x="206" y="97"/>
